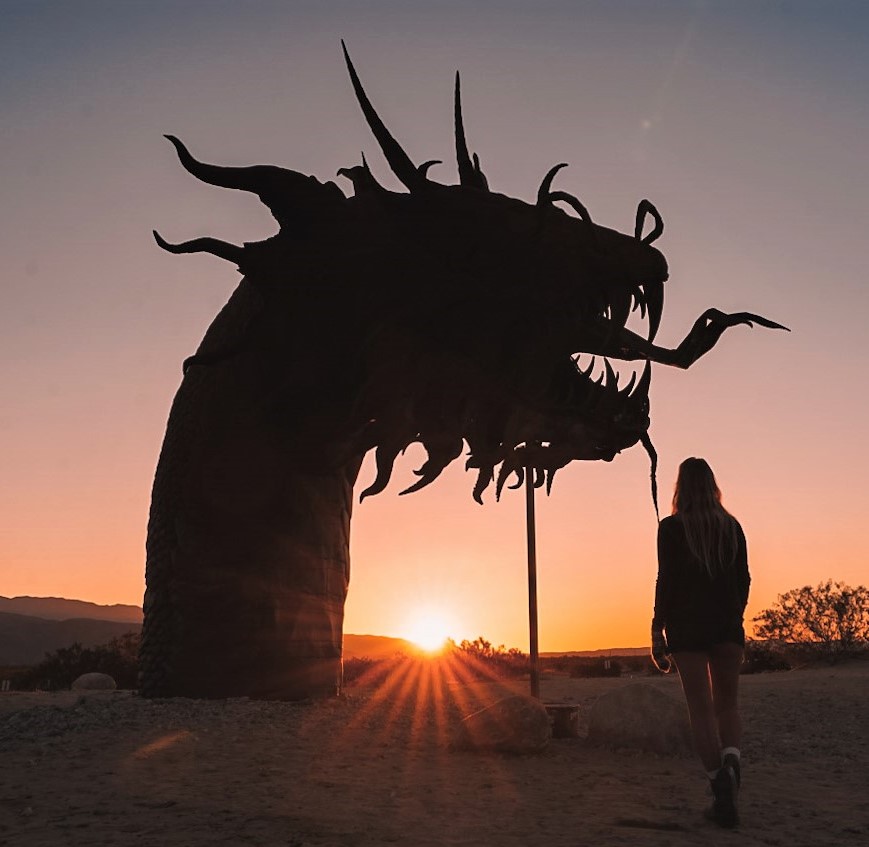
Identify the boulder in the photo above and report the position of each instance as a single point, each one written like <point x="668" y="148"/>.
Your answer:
<point x="515" y="724"/>
<point x="640" y="717"/>
<point x="94" y="682"/>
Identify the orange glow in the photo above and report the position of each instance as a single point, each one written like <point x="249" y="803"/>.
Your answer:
<point x="429" y="629"/>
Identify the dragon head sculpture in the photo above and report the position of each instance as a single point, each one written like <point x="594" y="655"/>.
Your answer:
<point x="446" y="315"/>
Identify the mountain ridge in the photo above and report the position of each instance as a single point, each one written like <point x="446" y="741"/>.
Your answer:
<point x="30" y="627"/>
<point x="61" y="609"/>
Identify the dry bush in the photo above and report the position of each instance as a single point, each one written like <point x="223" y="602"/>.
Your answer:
<point x="482" y="659"/>
<point x="830" y="621"/>
<point x="119" y="659"/>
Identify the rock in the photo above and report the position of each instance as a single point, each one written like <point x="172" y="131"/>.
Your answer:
<point x="94" y="682"/>
<point x="513" y="725"/>
<point x="640" y="717"/>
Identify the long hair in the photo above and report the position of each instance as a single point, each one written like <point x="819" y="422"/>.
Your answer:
<point x="710" y="530"/>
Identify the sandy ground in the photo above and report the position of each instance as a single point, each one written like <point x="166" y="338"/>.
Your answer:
<point x="375" y="767"/>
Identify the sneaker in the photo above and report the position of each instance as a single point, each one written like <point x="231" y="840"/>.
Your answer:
<point x="732" y="761"/>
<point x="725" y="787"/>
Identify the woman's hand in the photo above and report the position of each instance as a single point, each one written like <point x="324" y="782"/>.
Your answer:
<point x="660" y="656"/>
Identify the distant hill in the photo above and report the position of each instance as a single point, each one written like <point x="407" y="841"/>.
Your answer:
<point x="30" y="627"/>
<point x="376" y="646"/>
<point x="24" y="640"/>
<point x="33" y="626"/>
<point x="61" y="609"/>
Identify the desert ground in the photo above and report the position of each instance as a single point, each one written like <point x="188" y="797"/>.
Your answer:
<point x="376" y="767"/>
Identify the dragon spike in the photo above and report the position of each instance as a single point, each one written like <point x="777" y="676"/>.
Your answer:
<point x="440" y="455"/>
<point x="361" y="177"/>
<point x="643" y="208"/>
<point x="620" y="309"/>
<point x="574" y="204"/>
<point x="484" y="477"/>
<point x="587" y="373"/>
<point x="520" y="479"/>
<point x="422" y="482"/>
<point x="484" y="183"/>
<point x="543" y="197"/>
<point x="640" y="301"/>
<point x="423" y="168"/>
<point x="469" y="173"/>
<point x="612" y="378"/>
<point x="599" y="381"/>
<point x="580" y="210"/>
<point x="504" y="474"/>
<point x="654" y="295"/>
<point x="221" y="249"/>
<point x="539" y="477"/>
<point x="641" y="391"/>
<point x="463" y="157"/>
<point x="626" y="392"/>
<point x="398" y="160"/>
<point x="384" y="458"/>
<point x="550" y="475"/>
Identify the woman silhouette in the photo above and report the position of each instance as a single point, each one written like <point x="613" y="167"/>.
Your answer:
<point x="700" y="599"/>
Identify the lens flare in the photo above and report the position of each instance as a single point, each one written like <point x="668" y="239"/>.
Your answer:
<point x="429" y="629"/>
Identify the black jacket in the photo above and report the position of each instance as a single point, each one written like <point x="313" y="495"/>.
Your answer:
<point x="687" y="598"/>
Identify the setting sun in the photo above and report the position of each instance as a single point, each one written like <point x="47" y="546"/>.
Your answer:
<point x="429" y="629"/>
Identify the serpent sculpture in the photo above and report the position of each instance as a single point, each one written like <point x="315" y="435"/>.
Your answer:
<point x="446" y="315"/>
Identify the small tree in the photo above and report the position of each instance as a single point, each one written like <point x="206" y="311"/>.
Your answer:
<point x="832" y="617"/>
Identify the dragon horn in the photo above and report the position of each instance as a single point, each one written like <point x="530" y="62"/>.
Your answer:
<point x="221" y="249"/>
<point x="244" y="179"/>
<point x="543" y="191"/>
<point x="288" y="194"/>
<point x="398" y="160"/>
<point x="469" y="172"/>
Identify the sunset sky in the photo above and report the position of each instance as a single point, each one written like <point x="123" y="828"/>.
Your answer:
<point x="746" y="123"/>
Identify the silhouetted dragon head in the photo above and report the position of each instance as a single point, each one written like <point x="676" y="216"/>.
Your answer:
<point x="446" y="315"/>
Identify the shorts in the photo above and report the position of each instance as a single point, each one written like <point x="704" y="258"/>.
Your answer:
<point x="694" y="636"/>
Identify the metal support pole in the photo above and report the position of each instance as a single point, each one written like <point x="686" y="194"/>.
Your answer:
<point x="532" y="580"/>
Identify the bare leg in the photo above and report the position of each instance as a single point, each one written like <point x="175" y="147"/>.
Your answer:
<point x="725" y="661"/>
<point x="697" y="685"/>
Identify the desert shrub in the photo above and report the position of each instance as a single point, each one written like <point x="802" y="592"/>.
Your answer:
<point x="118" y="659"/>
<point x="356" y="667"/>
<point x="482" y="659"/>
<point x="831" y="619"/>
<point x="764" y="656"/>
<point x="360" y="668"/>
<point x="639" y="664"/>
<point x="587" y="667"/>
